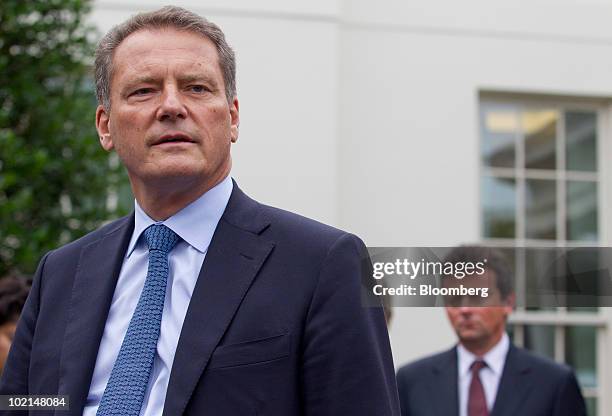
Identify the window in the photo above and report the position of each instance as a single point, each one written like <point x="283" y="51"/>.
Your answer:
<point x="541" y="182"/>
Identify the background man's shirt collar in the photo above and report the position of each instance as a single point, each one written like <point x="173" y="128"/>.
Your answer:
<point x="495" y="357"/>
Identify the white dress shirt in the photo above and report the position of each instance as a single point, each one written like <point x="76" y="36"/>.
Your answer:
<point x="195" y="224"/>
<point x="489" y="375"/>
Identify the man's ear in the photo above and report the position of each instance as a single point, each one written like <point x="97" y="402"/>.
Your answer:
<point x="102" y="125"/>
<point x="235" y="119"/>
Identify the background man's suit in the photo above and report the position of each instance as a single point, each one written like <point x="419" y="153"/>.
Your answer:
<point x="274" y="327"/>
<point x="529" y="386"/>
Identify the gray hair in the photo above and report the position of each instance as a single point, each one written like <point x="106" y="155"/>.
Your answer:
<point x="166" y="17"/>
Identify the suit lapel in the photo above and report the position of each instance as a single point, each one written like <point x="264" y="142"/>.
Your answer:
<point x="513" y="385"/>
<point x="92" y="293"/>
<point x="234" y="257"/>
<point x="443" y="388"/>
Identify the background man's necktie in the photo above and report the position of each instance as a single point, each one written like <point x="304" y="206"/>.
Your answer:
<point x="129" y="378"/>
<point x="477" y="403"/>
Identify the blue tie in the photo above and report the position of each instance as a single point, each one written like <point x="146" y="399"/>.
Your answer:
<point x="129" y="378"/>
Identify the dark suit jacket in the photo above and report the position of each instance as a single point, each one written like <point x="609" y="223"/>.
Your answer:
<point x="275" y="325"/>
<point x="530" y="386"/>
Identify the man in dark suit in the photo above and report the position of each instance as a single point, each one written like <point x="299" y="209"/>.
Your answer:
<point x="202" y="301"/>
<point x="485" y="375"/>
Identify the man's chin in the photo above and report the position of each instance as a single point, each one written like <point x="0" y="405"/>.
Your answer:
<point x="179" y="169"/>
<point x="469" y="336"/>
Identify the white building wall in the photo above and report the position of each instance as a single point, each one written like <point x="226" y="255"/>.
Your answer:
<point x="409" y="83"/>
<point x="364" y="114"/>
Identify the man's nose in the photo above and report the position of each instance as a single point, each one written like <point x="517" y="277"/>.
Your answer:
<point x="464" y="309"/>
<point x="171" y="106"/>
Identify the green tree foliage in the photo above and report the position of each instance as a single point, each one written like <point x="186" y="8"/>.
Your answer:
<point x="54" y="177"/>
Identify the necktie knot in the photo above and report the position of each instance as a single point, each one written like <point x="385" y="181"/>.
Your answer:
<point x="159" y="237"/>
<point x="477" y="365"/>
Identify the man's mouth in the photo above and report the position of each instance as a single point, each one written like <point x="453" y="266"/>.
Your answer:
<point x="174" y="138"/>
<point x="467" y="325"/>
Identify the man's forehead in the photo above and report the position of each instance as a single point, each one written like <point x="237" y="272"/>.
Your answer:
<point x="153" y="52"/>
<point x="184" y="69"/>
<point x="163" y="36"/>
<point x="153" y="46"/>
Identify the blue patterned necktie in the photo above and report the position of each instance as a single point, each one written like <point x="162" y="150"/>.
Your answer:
<point x="129" y="378"/>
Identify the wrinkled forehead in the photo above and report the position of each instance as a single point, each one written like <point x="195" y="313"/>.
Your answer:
<point x="164" y="49"/>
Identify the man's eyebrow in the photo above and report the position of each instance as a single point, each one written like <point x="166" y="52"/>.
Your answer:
<point x="197" y="77"/>
<point x="143" y="79"/>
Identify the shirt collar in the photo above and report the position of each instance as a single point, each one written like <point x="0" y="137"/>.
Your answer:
<point x="495" y="358"/>
<point x="194" y="223"/>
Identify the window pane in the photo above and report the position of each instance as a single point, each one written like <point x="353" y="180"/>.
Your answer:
<point x="540" y="339"/>
<point x="580" y="353"/>
<point x="499" y="207"/>
<point x="499" y="129"/>
<point x="582" y="211"/>
<point x="585" y="274"/>
<point x="508" y="255"/>
<point x="541" y="210"/>
<point x="540" y="134"/>
<point x="581" y="139"/>
<point x="591" y="404"/>
<point x="539" y="264"/>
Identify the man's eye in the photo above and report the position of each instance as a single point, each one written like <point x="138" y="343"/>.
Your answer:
<point x="198" y="88"/>
<point x="142" y="91"/>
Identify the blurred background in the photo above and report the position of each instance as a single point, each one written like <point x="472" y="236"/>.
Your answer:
<point x="408" y="123"/>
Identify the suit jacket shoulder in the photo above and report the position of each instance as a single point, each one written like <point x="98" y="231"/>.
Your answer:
<point x="281" y="225"/>
<point x="70" y="252"/>
<point x="540" y="364"/>
<point x="414" y="371"/>
<point x="533" y="384"/>
<point x="428" y="386"/>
